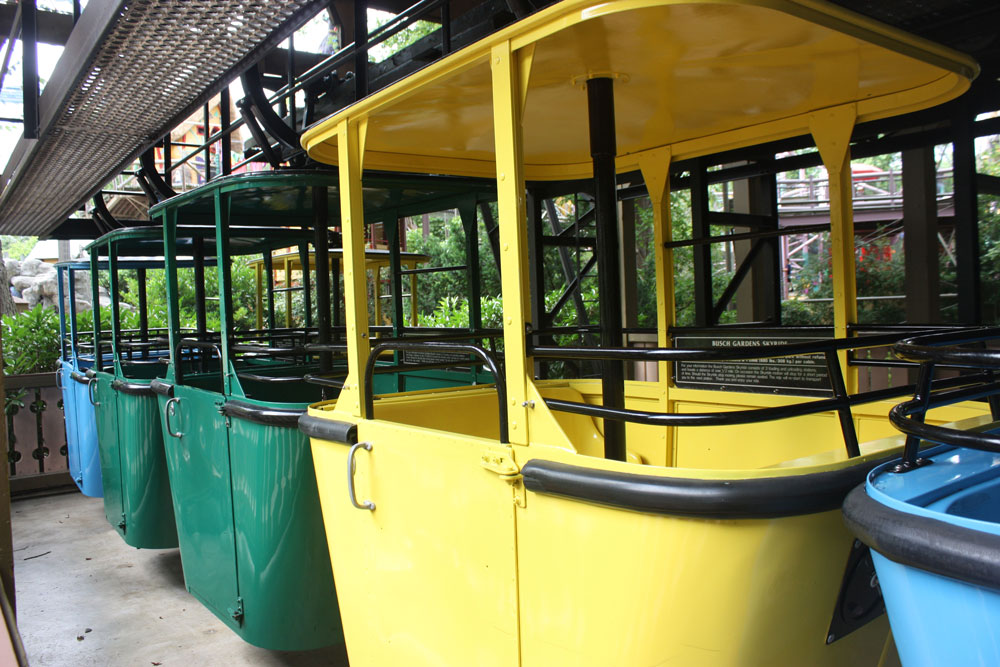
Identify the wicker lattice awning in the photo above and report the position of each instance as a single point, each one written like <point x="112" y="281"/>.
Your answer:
<point x="130" y="72"/>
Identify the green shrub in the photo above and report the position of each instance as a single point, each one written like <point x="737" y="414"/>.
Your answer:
<point x="31" y="341"/>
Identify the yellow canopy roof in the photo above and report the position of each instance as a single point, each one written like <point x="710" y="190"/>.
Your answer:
<point x="699" y="75"/>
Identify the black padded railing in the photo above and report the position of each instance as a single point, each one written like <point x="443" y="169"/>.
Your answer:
<point x="399" y="345"/>
<point x="933" y="351"/>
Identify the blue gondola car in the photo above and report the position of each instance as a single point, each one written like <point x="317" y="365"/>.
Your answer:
<point x="81" y="427"/>
<point x="933" y="518"/>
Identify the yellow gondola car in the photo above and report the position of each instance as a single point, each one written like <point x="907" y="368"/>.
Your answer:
<point x="489" y="525"/>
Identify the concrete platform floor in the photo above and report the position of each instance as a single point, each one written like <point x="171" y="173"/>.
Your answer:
<point x="86" y="598"/>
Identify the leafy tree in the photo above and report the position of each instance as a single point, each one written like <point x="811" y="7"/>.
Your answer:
<point x="17" y="247"/>
<point x="31" y="341"/>
<point x="244" y="291"/>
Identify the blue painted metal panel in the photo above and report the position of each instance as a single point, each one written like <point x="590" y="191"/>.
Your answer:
<point x="936" y="619"/>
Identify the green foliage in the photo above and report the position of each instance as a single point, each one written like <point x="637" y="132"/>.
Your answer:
<point x="244" y="290"/>
<point x="400" y="40"/>
<point x="453" y="313"/>
<point x="14" y="401"/>
<point x="989" y="236"/>
<point x="680" y="218"/>
<point x="879" y="271"/>
<point x="441" y="294"/>
<point x="445" y="245"/>
<point x="31" y="341"/>
<point x="17" y="247"/>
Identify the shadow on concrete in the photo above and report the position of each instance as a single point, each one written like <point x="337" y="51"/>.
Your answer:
<point x="167" y="564"/>
<point x="334" y="656"/>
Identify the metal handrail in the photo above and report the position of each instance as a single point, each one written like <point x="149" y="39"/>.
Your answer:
<point x="933" y="351"/>
<point x="191" y="343"/>
<point x="694" y="354"/>
<point x="487" y="358"/>
<point x="840" y="401"/>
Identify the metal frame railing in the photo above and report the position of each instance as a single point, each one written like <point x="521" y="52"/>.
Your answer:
<point x="933" y="351"/>
<point x="840" y="401"/>
<point x="400" y="345"/>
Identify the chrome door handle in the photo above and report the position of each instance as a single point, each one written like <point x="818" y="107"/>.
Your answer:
<point x="92" y="391"/>
<point x="169" y="410"/>
<point x="367" y="504"/>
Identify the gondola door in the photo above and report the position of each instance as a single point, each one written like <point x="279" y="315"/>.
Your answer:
<point x="105" y="400"/>
<point x="197" y="448"/>
<point x="427" y="577"/>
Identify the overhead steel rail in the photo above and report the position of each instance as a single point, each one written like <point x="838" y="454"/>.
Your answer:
<point x="130" y="72"/>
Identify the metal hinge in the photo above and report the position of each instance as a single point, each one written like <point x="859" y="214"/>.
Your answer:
<point x="121" y="524"/>
<point x="236" y="611"/>
<point x="500" y="461"/>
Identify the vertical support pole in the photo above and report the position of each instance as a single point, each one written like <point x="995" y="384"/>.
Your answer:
<point x="95" y="294"/>
<point x="116" y="321"/>
<point x="306" y="280"/>
<point x="61" y="276"/>
<point x="700" y="228"/>
<point x="414" y="306"/>
<point x="351" y="150"/>
<point x="391" y="225"/>
<point x="470" y="223"/>
<point x="570" y="270"/>
<point x="446" y="27"/>
<point x="260" y="295"/>
<point x="831" y="130"/>
<point x="76" y="11"/>
<point x="536" y="276"/>
<point x="169" y="222"/>
<point x="29" y="67"/>
<point x="360" y="49"/>
<point x="288" y="292"/>
<point x="321" y="216"/>
<point x="6" y="537"/>
<point x="227" y="138"/>
<point x="758" y="298"/>
<point x="168" y="160"/>
<point x="269" y="278"/>
<point x="223" y="267"/>
<point x="536" y="259"/>
<point x="603" y="148"/>
<point x="655" y="166"/>
<point x="508" y="100"/>
<point x="140" y="279"/>
<point x="920" y="236"/>
<point x="208" y="147"/>
<point x="200" y="302"/>
<point x="966" y="218"/>
<point x="290" y="81"/>
<point x="492" y="231"/>
<point x="336" y="299"/>
<point x="629" y="280"/>
<point x="72" y="316"/>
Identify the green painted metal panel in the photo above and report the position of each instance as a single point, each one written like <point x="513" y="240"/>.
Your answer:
<point x="106" y="414"/>
<point x="149" y="511"/>
<point x="198" y="461"/>
<point x="249" y="523"/>
<point x="285" y="578"/>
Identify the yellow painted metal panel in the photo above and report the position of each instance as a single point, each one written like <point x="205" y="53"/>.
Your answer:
<point x="601" y="586"/>
<point x="506" y="87"/>
<point x="681" y="83"/>
<point x="428" y="577"/>
<point x="352" y="150"/>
